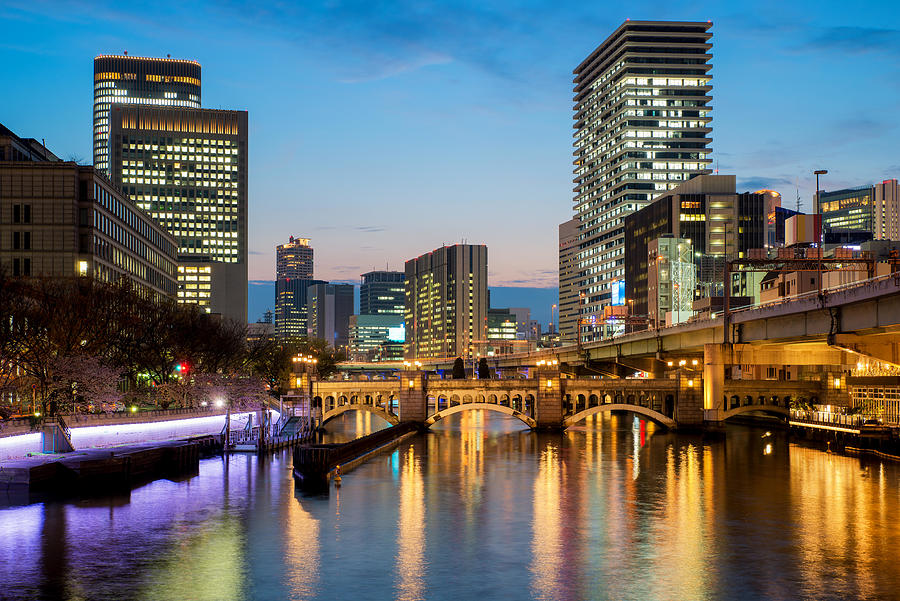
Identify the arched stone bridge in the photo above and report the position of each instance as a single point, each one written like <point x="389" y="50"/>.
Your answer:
<point x="547" y="401"/>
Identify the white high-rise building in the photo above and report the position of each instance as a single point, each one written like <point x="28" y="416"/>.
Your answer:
<point x="642" y="126"/>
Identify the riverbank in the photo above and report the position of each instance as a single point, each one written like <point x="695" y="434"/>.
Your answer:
<point x="97" y="471"/>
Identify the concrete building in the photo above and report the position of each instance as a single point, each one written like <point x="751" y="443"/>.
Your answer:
<point x="523" y="322"/>
<point x="59" y="219"/>
<point x="329" y="307"/>
<point x="886" y="218"/>
<point x="642" y="120"/>
<point x="187" y="168"/>
<point x="719" y="222"/>
<point x="446" y="302"/>
<point x="569" y="298"/>
<point x="382" y="293"/>
<point x="138" y="80"/>
<point x="293" y="276"/>
<point x="376" y="337"/>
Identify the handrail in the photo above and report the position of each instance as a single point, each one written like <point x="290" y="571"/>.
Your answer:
<point x="65" y="428"/>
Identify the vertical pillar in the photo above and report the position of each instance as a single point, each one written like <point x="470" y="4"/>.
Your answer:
<point x="716" y="359"/>
<point x="413" y="396"/>
<point x="548" y="406"/>
<point x="689" y="406"/>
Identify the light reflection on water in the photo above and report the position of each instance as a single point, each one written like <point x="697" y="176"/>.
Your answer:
<point x="482" y="509"/>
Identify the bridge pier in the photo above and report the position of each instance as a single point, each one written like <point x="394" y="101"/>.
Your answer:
<point x="716" y="357"/>
<point x="548" y="402"/>
<point x="412" y="398"/>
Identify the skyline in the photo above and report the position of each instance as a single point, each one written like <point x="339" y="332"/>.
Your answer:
<point x="488" y="91"/>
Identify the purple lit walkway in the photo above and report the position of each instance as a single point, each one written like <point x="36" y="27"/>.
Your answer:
<point x="111" y="435"/>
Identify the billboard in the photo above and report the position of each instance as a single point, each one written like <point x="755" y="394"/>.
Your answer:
<point x="397" y="334"/>
<point x="618" y="292"/>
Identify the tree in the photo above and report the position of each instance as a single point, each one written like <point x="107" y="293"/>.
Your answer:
<point x="484" y="372"/>
<point x="459" y="369"/>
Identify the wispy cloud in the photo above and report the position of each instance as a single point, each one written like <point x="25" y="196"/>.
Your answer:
<point x="855" y="40"/>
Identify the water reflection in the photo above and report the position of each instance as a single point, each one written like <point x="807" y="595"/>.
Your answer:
<point x="411" y="530"/>
<point x="482" y="509"/>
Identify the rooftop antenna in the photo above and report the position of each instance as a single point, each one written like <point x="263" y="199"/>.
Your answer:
<point x="125" y="52"/>
<point x="168" y="56"/>
<point x="798" y="194"/>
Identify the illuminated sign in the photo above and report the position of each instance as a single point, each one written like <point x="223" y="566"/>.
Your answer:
<point x="397" y="334"/>
<point x="618" y="292"/>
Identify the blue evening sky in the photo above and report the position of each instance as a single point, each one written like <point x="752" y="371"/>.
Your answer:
<point x="382" y="130"/>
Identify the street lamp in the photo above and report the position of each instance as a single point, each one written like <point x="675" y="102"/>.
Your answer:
<point x="819" y="172"/>
<point x="552" y="309"/>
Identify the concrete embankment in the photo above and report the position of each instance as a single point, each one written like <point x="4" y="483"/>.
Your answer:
<point x="314" y="464"/>
<point x="83" y="473"/>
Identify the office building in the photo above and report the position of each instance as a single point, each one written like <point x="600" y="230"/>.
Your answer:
<point x="446" y="302"/>
<point x="381" y="293"/>
<point x="569" y="297"/>
<point x="642" y="120"/>
<point x="523" y="322"/>
<point x="188" y="169"/>
<point x="138" y="80"/>
<point x="886" y="218"/>
<point x="671" y="279"/>
<point x="329" y="307"/>
<point x="850" y="209"/>
<point x="720" y="223"/>
<point x="293" y="276"/>
<point x="501" y="325"/>
<point x="59" y="219"/>
<point x="376" y="337"/>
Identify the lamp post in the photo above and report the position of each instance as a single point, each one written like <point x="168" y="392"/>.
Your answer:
<point x="552" y="310"/>
<point x="819" y="172"/>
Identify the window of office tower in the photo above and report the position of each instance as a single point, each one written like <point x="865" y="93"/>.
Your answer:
<point x="190" y="185"/>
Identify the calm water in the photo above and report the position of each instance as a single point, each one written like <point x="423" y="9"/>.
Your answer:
<point x="480" y="509"/>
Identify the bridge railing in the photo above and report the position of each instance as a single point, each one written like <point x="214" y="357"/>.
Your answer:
<point x="831" y="419"/>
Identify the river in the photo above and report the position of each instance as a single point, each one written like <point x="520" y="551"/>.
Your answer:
<point x="481" y="509"/>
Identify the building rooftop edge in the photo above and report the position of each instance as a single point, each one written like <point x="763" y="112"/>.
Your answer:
<point x="148" y="58"/>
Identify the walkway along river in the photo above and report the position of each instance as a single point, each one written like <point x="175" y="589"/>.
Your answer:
<point x="481" y="509"/>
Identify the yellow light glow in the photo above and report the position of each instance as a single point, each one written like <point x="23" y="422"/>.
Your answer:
<point x="837" y="382"/>
<point x="690" y="383"/>
<point x="549" y="383"/>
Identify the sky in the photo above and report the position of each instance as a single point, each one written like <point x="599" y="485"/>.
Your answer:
<point x="382" y="130"/>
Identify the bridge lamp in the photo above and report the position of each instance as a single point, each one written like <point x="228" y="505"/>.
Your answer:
<point x="682" y="362"/>
<point x="837" y="382"/>
<point x="549" y="383"/>
<point x="670" y="364"/>
<point x="694" y="362"/>
<point x="691" y="383"/>
<point x="203" y="403"/>
<point x="411" y="383"/>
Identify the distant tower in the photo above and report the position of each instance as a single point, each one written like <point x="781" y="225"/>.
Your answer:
<point x="293" y="275"/>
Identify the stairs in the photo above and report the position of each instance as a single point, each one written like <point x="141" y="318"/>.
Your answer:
<point x="292" y="426"/>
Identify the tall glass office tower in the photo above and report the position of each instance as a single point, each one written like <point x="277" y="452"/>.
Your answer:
<point x="293" y="276"/>
<point x="188" y="168"/>
<point x="641" y="128"/>
<point x="139" y="80"/>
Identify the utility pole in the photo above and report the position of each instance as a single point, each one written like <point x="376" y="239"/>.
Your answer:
<point x="819" y="172"/>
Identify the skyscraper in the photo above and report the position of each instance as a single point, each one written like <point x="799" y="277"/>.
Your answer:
<point x="139" y="80"/>
<point x="293" y="275"/>
<point x="381" y="293"/>
<point x="329" y="307"/>
<point x="187" y="167"/>
<point x="446" y="302"/>
<point x="641" y="128"/>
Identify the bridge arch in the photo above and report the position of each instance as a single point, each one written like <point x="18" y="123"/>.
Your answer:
<point x="650" y="414"/>
<point x="528" y="421"/>
<point x="380" y="412"/>
<point x="775" y="410"/>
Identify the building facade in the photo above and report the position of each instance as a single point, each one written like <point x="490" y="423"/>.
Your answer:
<point x="138" y="80"/>
<point x="850" y="209"/>
<point x="60" y="219"/>
<point x="886" y="218"/>
<point x="375" y="337"/>
<point x="329" y="308"/>
<point x="446" y="302"/>
<point x="293" y="276"/>
<point x="569" y="296"/>
<point x="720" y="223"/>
<point x="382" y="293"/>
<point x="188" y="169"/>
<point x="671" y="280"/>
<point x="642" y="127"/>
